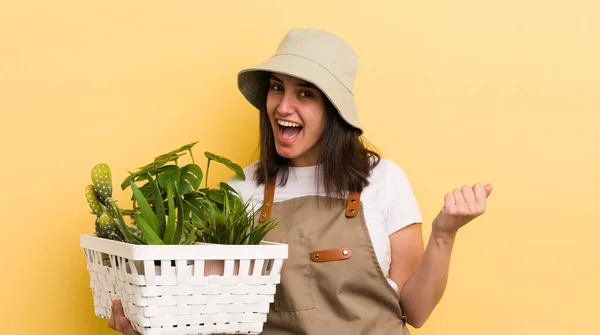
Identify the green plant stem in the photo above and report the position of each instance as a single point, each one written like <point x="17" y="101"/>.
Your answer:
<point x="206" y="174"/>
<point x="192" y="156"/>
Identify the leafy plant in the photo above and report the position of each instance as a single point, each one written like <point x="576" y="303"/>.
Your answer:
<point x="231" y="223"/>
<point x="170" y="208"/>
<point x="109" y="221"/>
<point x="225" y="161"/>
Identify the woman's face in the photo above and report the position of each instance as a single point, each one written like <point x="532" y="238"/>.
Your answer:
<point x="296" y="111"/>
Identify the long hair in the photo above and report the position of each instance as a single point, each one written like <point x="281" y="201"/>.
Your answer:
<point x="345" y="160"/>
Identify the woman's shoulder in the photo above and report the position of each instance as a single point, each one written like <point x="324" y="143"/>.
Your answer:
<point x="246" y="186"/>
<point x="386" y="170"/>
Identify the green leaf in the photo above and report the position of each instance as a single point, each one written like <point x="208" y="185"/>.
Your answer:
<point x="170" y="230"/>
<point x="259" y="231"/>
<point x="180" y="218"/>
<point x="225" y="161"/>
<point x="129" y="238"/>
<point x="157" y="163"/>
<point x="226" y="187"/>
<point x="158" y="205"/>
<point x="174" y="154"/>
<point x="147" y="231"/>
<point x="127" y="212"/>
<point x="216" y="196"/>
<point x="168" y="173"/>
<point x="146" y="190"/>
<point x="142" y="177"/>
<point x="136" y="176"/>
<point x="203" y="192"/>
<point x="231" y="222"/>
<point x="192" y="208"/>
<point x="191" y="238"/>
<point x="187" y="178"/>
<point x="146" y="210"/>
<point x="191" y="178"/>
<point x="187" y="146"/>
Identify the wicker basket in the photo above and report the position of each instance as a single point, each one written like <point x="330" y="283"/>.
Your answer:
<point x="192" y="289"/>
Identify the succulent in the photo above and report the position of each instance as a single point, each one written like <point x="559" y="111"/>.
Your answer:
<point x="93" y="200"/>
<point x="102" y="179"/>
<point x="231" y="223"/>
<point x="171" y="208"/>
<point x="107" y="228"/>
<point x="97" y="194"/>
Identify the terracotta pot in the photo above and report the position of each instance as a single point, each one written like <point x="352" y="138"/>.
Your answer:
<point x="217" y="267"/>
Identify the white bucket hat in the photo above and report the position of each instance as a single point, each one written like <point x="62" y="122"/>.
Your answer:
<point x="316" y="56"/>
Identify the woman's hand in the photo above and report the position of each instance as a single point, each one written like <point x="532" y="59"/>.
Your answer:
<point x="460" y="207"/>
<point x="118" y="321"/>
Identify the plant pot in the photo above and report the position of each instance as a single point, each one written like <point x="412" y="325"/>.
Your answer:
<point x="185" y="289"/>
<point x="216" y="267"/>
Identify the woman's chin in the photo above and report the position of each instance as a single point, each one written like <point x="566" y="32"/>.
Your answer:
<point x="286" y="153"/>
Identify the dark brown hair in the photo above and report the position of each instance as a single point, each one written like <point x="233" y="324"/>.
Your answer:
<point x="345" y="160"/>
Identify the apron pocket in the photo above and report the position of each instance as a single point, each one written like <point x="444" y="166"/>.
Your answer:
<point x="294" y="293"/>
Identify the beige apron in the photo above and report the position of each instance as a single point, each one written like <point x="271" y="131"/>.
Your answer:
<point x="332" y="282"/>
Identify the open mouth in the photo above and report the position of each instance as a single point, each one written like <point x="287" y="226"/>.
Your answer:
<point x="288" y="131"/>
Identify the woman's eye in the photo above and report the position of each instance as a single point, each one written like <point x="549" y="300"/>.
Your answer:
<point x="276" y="87"/>
<point x="305" y="94"/>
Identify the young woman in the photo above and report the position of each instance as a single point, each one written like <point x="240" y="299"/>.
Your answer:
<point x="357" y="263"/>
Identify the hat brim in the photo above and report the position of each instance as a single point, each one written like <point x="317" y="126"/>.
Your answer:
<point x="252" y="82"/>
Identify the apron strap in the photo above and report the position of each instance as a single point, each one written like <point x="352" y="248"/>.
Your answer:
<point x="352" y="204"/>
<point x="265" y="213"/>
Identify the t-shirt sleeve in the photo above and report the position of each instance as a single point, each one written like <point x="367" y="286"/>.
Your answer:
<point x="403" y="208"/>
<point x="236" y="183"/>
<point x="245" y="188"/>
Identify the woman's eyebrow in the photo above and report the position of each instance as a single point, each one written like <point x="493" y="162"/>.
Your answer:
<point x="303" y="84"/>
<point x="307" y="85"/>
<point x="273" y="77"/>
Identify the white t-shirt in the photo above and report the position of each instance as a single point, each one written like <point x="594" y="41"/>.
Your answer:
<point x="389" y="202"/>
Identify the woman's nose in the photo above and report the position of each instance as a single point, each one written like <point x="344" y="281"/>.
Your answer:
<point x="286" y="104"/>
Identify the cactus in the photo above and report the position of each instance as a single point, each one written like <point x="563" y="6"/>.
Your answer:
<point x="135" y="231"/>
<point x="93" y="201"/>
<point x="106" y="227"/>
<point x="98" y="196"/>
<point x="102" y="179"/>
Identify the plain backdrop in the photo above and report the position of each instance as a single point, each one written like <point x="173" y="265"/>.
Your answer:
<point x="455" y="92"/>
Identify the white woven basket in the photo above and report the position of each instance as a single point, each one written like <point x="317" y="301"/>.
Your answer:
<point x="185" y="289"/>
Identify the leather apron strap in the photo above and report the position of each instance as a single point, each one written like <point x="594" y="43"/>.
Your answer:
<point x="352" y="203"/>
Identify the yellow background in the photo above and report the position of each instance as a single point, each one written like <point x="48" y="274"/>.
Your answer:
<point x="456" y="92"/>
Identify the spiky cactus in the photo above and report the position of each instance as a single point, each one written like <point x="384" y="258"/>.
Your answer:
<point x="97" y="196"/>
<point x="102" y="179"/>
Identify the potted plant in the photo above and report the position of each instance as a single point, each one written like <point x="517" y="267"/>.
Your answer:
<point x="191" y="260"/>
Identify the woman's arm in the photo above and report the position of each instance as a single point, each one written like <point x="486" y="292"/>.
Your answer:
<point x="422" y="276"/>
